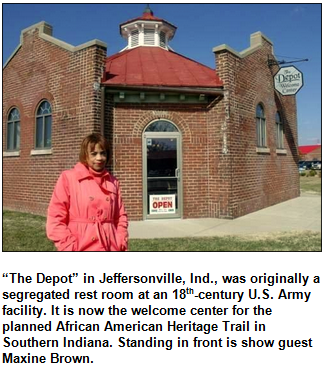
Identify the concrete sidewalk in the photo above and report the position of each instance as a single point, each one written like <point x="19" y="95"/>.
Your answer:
<point x="299" y="214"/>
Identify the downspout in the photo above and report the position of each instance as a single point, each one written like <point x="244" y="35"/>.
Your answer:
<point x="102" y="110"/>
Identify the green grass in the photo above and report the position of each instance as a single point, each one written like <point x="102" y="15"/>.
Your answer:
<point x="301" y="241"/>
<point x="311" y="184"/>
<point x="25" y="232"/>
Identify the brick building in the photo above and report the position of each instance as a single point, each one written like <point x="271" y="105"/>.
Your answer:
<point x="187" y="141"/>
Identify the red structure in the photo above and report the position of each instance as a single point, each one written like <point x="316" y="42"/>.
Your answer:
<point x="167" y="69"/>
<point x="310" y="152"/>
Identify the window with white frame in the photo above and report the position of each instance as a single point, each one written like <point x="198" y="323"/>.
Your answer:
<point x="260" y="126"/>
<point x="43" y="137"/>
<point x="134" y="38"/>
<point x="279" y="131"/>
<point x="149" y="37"/>
<point x="13" y="130"/>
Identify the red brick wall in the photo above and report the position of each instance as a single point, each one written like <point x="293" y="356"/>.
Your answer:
<point x="220" y="162"/>
<point x="223" y="175"/>
<point x="128" y="121"/>
<point x="43" y="70"/>
<point x="256" y="180"/>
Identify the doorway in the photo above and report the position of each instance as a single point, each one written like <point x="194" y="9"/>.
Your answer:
<point x="162" y="173"/>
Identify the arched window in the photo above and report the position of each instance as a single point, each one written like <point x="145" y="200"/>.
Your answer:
<point x="161" y="126"/>
<point x="43" y="138"/>
<point x="260" y="126"/>
<point x="13" y="130"/>
<point x="279" y="131"/>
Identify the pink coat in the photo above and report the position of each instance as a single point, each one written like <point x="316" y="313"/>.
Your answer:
<point x="86" y="216"/>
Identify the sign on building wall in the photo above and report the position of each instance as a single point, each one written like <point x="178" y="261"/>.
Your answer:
<point x="160" y="204"/>
<point x="288" y="80"/>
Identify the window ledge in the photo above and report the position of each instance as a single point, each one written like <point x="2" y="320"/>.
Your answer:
<point x="40" y="151"/>
<point x="263" y="150"/>
<point x="11" y="154"/>
<point x="281" y="151"/>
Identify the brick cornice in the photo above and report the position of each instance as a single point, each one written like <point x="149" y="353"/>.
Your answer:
<point x="256" y="42"/>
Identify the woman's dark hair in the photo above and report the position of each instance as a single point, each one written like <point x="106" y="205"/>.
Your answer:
<point x="91" y="140"/>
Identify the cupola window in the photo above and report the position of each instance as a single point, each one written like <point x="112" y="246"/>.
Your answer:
<point x="149" y="37"/>
<point x="134" y="38"/>
<point x="163" y="39"/>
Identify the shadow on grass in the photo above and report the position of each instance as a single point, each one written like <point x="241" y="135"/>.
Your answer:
<point x="294" y="242"/>
<point x="24" y="232"/>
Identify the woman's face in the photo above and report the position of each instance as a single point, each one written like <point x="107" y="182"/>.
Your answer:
<point x="96" y="158"/>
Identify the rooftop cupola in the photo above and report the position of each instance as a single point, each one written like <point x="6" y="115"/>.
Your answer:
<point x="147" y="30"/>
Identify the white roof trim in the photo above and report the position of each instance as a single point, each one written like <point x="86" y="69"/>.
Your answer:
<point x="256" y="42"/>
<point x="45" y="32"/>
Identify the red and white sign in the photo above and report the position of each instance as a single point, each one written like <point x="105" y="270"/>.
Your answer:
<point x="160" y="204"/>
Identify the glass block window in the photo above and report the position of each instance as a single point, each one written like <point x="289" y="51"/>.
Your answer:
<point x="13" y="130"/>
<point x="279" y="131"/>
<point x="260" y="126"/>
<point x="43" y="138"/>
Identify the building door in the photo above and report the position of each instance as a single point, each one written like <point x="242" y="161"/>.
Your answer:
<point x="162" y="193"/>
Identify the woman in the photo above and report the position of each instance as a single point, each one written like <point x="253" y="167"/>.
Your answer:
<point x="86" y="212"/>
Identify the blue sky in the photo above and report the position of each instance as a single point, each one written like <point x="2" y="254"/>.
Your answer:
<point x="294" y="29"/>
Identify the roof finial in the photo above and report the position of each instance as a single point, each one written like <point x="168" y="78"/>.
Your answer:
<point x="148" y="10"/>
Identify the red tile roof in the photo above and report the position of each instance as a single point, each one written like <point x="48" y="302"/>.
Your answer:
<point x="305" y="149"/>
<point x="154" y="66"/>
<point x="145" y="16"/>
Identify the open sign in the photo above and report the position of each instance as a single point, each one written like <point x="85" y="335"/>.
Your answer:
<point x="162" y="204"/>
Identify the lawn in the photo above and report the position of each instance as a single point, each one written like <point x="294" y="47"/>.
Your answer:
<point x="25" y="232"/>
<point x="311" y="184"/>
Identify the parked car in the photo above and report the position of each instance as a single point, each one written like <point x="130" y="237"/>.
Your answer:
<point x="316" y="165"/>
<point x="305" y="165"/>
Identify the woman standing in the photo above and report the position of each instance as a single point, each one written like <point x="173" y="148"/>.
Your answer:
<point x="86" y="212"/>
